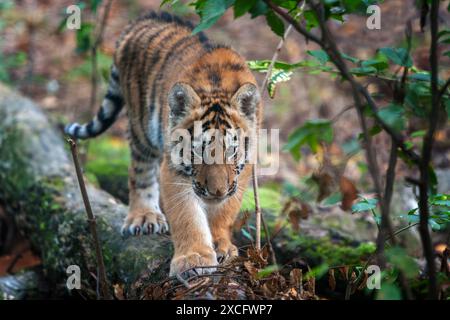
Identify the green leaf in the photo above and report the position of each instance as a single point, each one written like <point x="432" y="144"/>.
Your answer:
<point x="318" y="272"/>
<point x="333" y="199"/>
<point x="349" y="58"/>
<point x="379" y="62"/>
<point x="246" y="234"/>
<point x="351" y="146"/>
<point x="270" y="199"/>
<point x="320" y="55"/>
<point x="393" y="116"/>
<point x="94" y="5"/>
<point x="435" y="226"/>
<point x="311" y="133"/>
<point x="389" y="291"/>
<point x="263" y="65"/>
<point x="241" y="7"/>
<point x="399" y="258"/>
<point x="210" y="12"/>
<point x="287" y="4"/>
<point x="447" y="107"/>
<point x="365" y="205"/>
<point x="423" y="76"/>
<point x="418" y="133"/>
<point x="276" y="77"/>
<point x="440" y="200"/>
<point x="267" y="271"/>
<point x="259" y="9"/>
<point x="399" y="56"/>
<point x="363" y="71"/>
<point x="275" y="23"/>
<point x="357" y="6"/>
<point x="433" y="179"/>
<point x="84" y="37"/>
<point x="311" y="19"/>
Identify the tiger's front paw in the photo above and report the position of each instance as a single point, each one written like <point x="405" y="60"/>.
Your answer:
<point x="193" y="263"/>
<point x="225" y="250"/>
<point x="144" y="221"/>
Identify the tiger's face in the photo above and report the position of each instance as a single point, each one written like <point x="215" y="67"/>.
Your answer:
<point x="212" y="138"/>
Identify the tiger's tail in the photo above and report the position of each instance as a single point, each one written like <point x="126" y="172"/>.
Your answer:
<point x="111" y="106"/>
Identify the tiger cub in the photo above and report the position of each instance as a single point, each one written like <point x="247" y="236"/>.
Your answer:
<point x="171" y="80"/>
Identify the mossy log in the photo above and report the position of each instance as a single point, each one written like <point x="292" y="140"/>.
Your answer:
<point x="38" y="187"/>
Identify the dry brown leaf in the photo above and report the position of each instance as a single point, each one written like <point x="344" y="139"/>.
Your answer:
<point x="363" y="283"/>
<point x="296" y="278"/>
<point x="241" y="221"/>
<point x="118" y="291"/>
<point x="251" y="269"/>
<point x="326" y="182"/>
<point x="257" y="257"/>
<point x="344" y="272"/>
<point x="331" y="279"/>
<point x="349" y="193"/>
<point x="296" y="209"/>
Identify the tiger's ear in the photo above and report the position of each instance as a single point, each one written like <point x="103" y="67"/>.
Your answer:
<point x="181" y="98"/>
<point x="246" y="99"/>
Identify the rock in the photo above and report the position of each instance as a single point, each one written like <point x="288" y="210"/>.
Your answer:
<point x="39" y="190"/>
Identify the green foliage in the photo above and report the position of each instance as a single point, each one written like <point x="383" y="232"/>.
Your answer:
<point x="12" y="61"/>
<point x="325" y="252"/>
<point x="365" y="205"/>
<point x="266" y="271"/>
<point x="399" y="56"/>
<point x="275" y="23"/>
<point x="107" y="165"/>
<point x="210" y="12"/>
<point x="276" y="77"/>
<point x="400" y="259"/>
<point x="393" y="116"/>
<point x="241" y="7"/>
<point x="84" y="37"/>
<point x="389" y="291"/>
<point x="84" y="70"/>
<point x="311" y="134"/>
<point x="320" y="55"/>
<point x="9" y="63"/>
<point x="270" y="199"/>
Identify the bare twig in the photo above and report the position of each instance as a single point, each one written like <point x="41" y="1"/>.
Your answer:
<point x="257" y="208"/>
<point x="254" y="175"/>
<point x="184" y="282"/>
<point x="385" y="228"/>
<point x="102" y="283"/>
<point x="426" y="155"/>
<point x="94" y="65"/>
<point x="444" y="88"/>
<point x="269" y="242"/>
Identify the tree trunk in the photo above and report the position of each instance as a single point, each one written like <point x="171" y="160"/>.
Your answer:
<point x="38" y="187"/>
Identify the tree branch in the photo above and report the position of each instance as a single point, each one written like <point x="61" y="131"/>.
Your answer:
<point x="102" y="282"/>
<point x="97" y="42"/>
<point x="427" y="148"/>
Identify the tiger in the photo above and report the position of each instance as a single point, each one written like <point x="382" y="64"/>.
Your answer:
<point x="170" y="78"/>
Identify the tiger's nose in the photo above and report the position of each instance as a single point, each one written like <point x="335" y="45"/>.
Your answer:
<point x="218" y="193"/>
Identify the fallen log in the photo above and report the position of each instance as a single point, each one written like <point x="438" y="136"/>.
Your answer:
<point x="38" y="188"/>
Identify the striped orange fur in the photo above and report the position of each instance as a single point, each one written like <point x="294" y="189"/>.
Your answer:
<point x="170" y="79"/>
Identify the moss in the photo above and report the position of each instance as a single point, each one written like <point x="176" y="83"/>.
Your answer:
<point x="325" y="251"/>
<point x="107" y="165"/>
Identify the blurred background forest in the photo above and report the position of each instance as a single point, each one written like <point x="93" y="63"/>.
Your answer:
<point x="319" y="207"/>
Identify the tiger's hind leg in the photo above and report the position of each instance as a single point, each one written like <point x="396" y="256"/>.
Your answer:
<point x="145" y="215"/>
